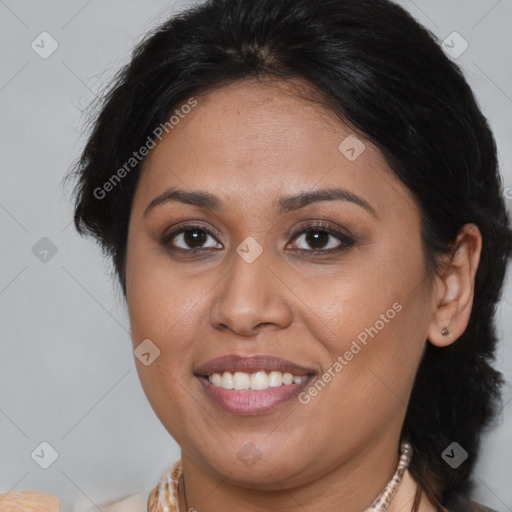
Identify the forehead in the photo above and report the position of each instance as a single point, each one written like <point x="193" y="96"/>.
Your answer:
<point x="250" y="142"/>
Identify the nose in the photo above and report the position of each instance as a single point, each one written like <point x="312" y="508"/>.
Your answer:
<point x="251" y="297"/>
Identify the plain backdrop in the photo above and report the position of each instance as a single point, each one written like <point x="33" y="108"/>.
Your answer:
<point x="67" y="371"/>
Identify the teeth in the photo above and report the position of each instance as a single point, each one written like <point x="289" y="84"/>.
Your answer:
<point x="227" y="381"/>
<point x="216" y="379"/>
<point x="287" y="378"/>
<point x="275" y="379"/>
<point x="259" y="380"/>
<point x="241" y="380"/>
<point x="256" y="381"/>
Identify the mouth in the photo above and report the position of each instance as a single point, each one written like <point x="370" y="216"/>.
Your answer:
<point x="252" y="385"/>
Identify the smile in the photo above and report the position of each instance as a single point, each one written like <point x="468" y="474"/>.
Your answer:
<point x="253" y="384"/>
<point x="258" y="381"/>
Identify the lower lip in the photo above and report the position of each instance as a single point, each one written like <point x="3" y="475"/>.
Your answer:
<point x="250" y="401"/>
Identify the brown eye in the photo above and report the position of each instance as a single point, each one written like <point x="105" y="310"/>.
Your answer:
<point x="194" y="237"/>
<point x="317" y="239"/>
<point x="321" y="239"/>
<point x="191" y="238"/>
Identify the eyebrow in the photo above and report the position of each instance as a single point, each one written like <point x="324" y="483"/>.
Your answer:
<point x="284" y="204"/>
<point x="297" y="201"/>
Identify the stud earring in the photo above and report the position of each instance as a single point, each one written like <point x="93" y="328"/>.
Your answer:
<point x="446" y="332"/>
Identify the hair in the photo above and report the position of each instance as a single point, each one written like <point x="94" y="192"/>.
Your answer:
<point x="386" y="76"/>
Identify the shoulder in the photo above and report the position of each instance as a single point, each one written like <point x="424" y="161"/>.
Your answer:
<point x="458" y="503"/>
<point x="163" y="496"/>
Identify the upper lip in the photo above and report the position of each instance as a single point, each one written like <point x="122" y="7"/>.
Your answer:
<point x="252" y="364"/>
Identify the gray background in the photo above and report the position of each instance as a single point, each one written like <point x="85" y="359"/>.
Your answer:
<point x="67" y="374"/>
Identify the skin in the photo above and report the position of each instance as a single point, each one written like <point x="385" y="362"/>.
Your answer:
<point x="250" y="143"/>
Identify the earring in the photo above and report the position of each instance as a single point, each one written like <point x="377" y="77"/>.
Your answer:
<point x="446" y="332"/>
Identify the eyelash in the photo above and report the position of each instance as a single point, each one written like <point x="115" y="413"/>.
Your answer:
<point x="345" y="240"/>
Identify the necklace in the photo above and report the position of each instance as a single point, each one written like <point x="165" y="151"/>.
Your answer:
<point x="164" y="497"/>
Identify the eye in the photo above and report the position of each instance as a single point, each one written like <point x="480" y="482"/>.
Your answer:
<point x="191" y="238"/>
<point x="322" y="238"/>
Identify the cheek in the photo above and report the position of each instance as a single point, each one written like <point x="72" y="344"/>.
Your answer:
<point x="374" y="318"/>
<point x="155" y="293"/>
<point x="166" y="307"/>
<point x="160" y="311"/>
<point x="358" y="301"/>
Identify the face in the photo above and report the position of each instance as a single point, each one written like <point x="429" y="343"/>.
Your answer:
<point x="263" y="279"/>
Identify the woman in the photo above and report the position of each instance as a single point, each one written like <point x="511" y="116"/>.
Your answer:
<point x="306" y="218"/>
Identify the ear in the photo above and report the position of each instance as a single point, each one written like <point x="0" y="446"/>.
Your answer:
<point x="454" y="288"/>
